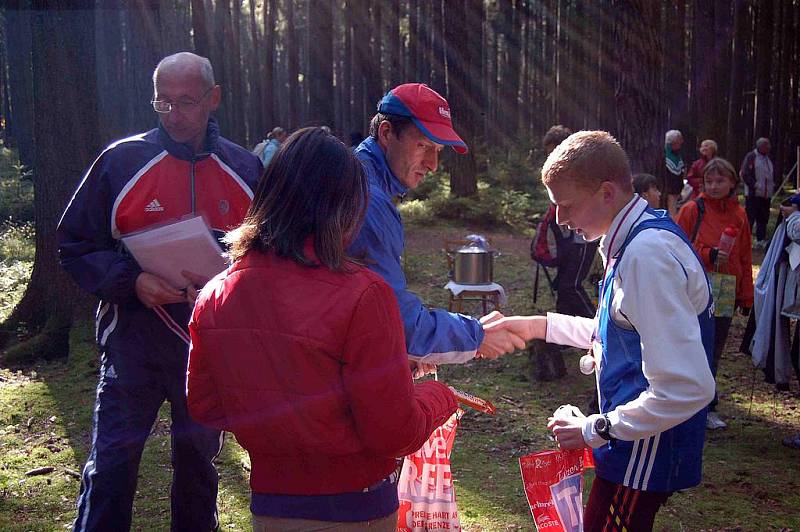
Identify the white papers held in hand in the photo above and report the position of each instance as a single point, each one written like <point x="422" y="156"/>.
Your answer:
<point x="185" y="245"/>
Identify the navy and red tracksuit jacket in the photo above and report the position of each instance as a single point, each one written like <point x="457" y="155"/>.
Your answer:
<point x="139" y="182"/>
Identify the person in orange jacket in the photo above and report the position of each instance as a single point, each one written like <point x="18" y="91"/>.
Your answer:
<point x="704" y="220"/>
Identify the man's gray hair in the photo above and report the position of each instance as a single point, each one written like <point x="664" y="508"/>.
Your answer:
<point x="671" y="136"/>
<point x="761" y="141"/>
<point x="186" y="59"/>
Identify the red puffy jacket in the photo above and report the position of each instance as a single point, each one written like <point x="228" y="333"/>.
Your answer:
<point x="308" y="368"/>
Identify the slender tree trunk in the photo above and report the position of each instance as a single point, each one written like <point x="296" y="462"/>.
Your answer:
<point x="509" y="82"/>
<point x="437" y="61"/>
<point x="5" y="105"/>
<point x="320" y="72"/>
<point x="412" y="72"/>
<point x="609" y="68"/>
<point x="346" y="80"/>
<point x="20" y="71"/>
<point x="237" y="130"/>
<point x="640" y="59"/>
<point x="763" y="59"/>
<point x="363" y="105"/>
<point x="675" y="86"/>
<point x="111" y="75"/>
<point x="374" y="70"/>
<point x="783" y="151"/>
<point x="723" y="44"/>
<point x="202" y="41"/>
<point x="733" y="141"/>
<point x="391" y="34"/>
<point x="256" y="54"/>
<point x="267" y="56"/>
<point x="144" y="51"/>
<point x="464" y="88"/>
<point x="703" y="81"/>
<point x="294" y="65"/>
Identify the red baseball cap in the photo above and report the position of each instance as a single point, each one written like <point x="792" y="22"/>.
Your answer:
<point x="429" y="111"/>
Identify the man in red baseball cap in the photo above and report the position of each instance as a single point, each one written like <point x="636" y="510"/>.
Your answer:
<point x="412" y="126"/>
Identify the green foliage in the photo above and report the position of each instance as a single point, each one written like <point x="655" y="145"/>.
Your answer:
<point x="517" y="168"/>
<point x="13" y="280"/>
<point x="16" y="262"/>
<point x="510" y="196"/>
<point x="16" y="188"/>
<point x="16" y="242"/>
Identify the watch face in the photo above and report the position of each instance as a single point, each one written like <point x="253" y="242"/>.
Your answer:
<point x="600" y="425"/>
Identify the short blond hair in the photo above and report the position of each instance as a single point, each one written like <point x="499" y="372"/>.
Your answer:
<point x="711" y="144"/>
<point x="587" y="158"/>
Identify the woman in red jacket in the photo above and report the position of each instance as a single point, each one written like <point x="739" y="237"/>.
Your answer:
<point x="299" y="352"/>
<point x="708" y="150"/>
<point x="714" y="212"/>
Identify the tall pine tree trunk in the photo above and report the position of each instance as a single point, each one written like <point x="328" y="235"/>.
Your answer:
<point x="18" y="38"/>
<point x="640" y="59"/>
<point x="363" y="107"/>
<point x="293" y="50"/>
<point x="463" y="54"/>
<point x="733" y="142"/>
<point x="202" y="40"/>
<point x="66" y="137"/>
<point x="267" y="56"/>
<point x="320" y="72"/>
<point x="763" y="59"/>
<point x="703" y="82"/>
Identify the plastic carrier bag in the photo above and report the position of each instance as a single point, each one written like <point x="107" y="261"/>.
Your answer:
<point x="553" y="483"/>
<point x="425" y="489"/>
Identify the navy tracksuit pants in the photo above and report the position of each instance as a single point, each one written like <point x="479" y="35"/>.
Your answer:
<point x="142" y="367"/>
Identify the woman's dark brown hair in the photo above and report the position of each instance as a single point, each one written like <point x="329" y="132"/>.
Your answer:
<point x="314" y="187"/>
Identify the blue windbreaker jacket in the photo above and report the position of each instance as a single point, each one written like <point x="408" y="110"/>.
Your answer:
<point x="433" y="335"/>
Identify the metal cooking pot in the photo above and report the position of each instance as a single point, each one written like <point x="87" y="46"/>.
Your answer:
<point x="472" y="265"/>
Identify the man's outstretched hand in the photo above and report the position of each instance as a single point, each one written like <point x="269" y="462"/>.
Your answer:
<point x="507" y="333"/>
<point x="497" y="341"/>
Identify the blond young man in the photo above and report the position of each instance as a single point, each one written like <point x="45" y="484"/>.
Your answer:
<point x="649" y="343"/>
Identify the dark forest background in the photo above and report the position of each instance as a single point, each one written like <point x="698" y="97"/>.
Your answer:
<point x="721" y="69"/>
<point x="75" y="75"/>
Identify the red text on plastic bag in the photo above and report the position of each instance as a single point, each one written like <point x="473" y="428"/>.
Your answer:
<point x="425" y="489"/>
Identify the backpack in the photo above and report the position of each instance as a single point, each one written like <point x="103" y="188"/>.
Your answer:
<point x="544" y="246"/>
<point x="701" y="211"/>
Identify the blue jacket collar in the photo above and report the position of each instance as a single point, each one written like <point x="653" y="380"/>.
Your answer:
<point x="182" y="151"/>
<point x="383" y="177"/>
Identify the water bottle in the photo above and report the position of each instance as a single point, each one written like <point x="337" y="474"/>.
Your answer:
<point x="726" y="240"/>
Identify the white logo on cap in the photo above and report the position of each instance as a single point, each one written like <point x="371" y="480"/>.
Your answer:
<point x="445" y="112"/>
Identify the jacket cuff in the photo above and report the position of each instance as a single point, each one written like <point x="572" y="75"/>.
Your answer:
<point x="590" y="436"/>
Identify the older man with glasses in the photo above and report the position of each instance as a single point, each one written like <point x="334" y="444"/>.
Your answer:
<point x="181" y="168"/>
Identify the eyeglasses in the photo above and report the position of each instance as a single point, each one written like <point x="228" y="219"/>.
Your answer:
<point x="184" y="105"/>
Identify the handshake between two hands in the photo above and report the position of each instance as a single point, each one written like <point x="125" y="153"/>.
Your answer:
<point x="502" y="334"/>
<point x="505" y="334"/>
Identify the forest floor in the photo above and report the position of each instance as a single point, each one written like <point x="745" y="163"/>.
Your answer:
<point x="750" y="481"/>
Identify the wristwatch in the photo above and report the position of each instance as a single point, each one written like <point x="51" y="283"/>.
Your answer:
<point x="602" y="426"/>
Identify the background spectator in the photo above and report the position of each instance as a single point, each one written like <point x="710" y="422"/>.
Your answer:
<point x="757" y="172"/>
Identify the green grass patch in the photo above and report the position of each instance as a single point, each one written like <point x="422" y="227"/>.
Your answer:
<point x="750" y="480"/>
